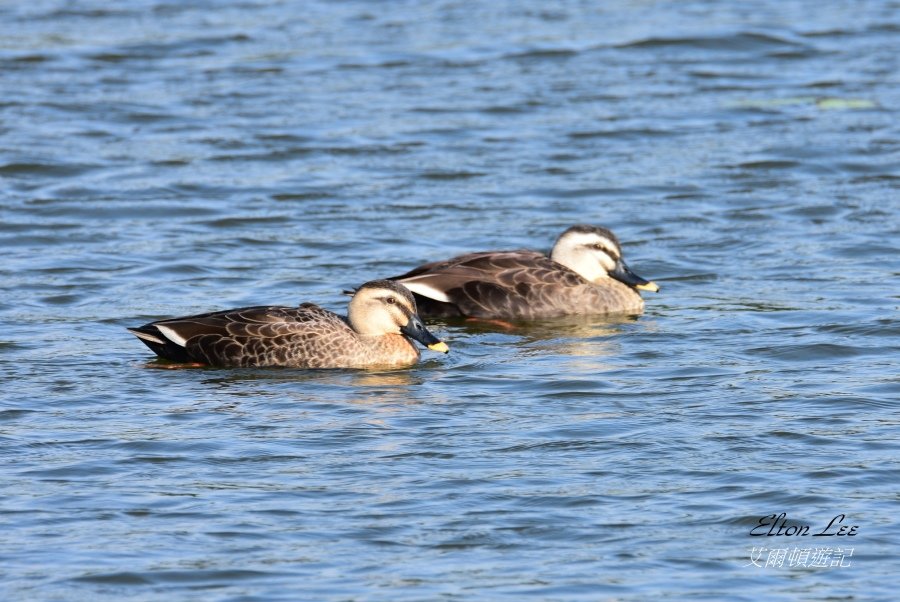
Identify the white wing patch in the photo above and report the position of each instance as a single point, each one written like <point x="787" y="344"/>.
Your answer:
<point x="426" y="290"/>
<point x="173" y="336"/>
<point x="147" y="337"/>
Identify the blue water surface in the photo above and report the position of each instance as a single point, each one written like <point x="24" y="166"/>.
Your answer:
<point x="164" y="158"/>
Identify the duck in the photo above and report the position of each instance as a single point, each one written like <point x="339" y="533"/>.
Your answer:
<point x="378" y="332"/>
<point x="583" y="275"/>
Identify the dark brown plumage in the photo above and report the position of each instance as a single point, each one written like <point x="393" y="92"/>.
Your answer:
<point x="527" y="285"/>
<point x="302" y="337"/>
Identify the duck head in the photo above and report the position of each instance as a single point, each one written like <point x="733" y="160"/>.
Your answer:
<point x="384" y="307"/>
<point x="594" y="253"/>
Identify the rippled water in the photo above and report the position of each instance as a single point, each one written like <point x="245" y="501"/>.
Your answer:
<point x="161" y="158"/>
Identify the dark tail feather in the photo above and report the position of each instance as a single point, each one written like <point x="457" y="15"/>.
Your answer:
<point x="429" y="308"/>
<point x="160" y="345"/>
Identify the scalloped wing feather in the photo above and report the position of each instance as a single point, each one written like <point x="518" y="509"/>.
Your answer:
<point x="516" y="285"/>
<point x="304" y="336"/>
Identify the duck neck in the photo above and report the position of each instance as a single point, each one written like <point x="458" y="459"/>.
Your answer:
<point x="390" y="349"/>
<point x="582" y="264"/>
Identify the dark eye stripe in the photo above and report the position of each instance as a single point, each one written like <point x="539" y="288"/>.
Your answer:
<point x="601" y="247"/>
<point x="407" y="311"/>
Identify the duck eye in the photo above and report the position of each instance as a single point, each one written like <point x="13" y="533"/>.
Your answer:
<point x="600" y="247"/>
<point x="391" y="300"/>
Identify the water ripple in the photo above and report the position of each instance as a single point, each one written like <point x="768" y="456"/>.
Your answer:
<point x="163" y="158"/>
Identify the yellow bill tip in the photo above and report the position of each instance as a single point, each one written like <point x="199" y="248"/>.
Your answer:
<point x="439" y="346"/>
<point x="650" y="286"/>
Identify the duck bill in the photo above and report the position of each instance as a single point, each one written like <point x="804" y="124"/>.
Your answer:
<point x="623" y="273"/>
<point x="415" y="330"/>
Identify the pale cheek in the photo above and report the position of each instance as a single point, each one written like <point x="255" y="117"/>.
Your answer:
<point x="607" y="263"/>
<point x="398" y="319"/>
